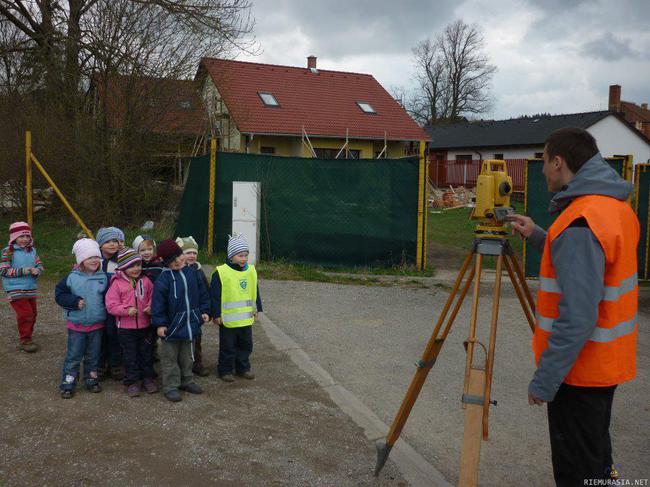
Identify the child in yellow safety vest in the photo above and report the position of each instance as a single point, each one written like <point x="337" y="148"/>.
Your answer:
<point x="235" y="303"/>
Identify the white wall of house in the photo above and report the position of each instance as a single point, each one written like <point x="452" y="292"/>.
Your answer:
<point x="218" y="116"/>
<point x="489" y="153"/>
<point x="615" y="137"/>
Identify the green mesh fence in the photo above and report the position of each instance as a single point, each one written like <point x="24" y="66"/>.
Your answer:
<point x="537" y="199"/>
<point x="643" y="212"/>
<point x="330" y="212"/>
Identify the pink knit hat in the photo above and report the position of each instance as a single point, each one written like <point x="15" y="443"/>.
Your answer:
<point x="85" y="248"/>
<point x="18" y="229"/>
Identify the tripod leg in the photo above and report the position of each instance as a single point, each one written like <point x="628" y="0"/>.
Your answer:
<point x="474" y="388"/>
<point x="522" y="279"/>
<point x="489" y="366"/>
<point x="516" y="284"/>
<point x="428" y="358"/>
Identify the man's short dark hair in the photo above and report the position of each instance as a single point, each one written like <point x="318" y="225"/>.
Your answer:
<point x="575" y="145"/>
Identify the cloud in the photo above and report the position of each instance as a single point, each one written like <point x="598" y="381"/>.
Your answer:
<point x="610" y="48"/>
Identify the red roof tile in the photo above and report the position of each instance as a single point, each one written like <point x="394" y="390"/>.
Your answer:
<point x="325" y="103"/>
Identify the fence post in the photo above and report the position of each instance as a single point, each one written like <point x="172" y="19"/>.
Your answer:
<point x="213" y="175"/>
<point x="419" y="259"/>
<point x="28" y="179"/>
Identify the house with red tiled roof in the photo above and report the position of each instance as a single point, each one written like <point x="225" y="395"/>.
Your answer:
<point x="637" y="115"/>
<point x="303" y="111"/>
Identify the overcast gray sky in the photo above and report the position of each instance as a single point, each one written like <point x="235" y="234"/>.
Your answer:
<point x="557" y="56"/>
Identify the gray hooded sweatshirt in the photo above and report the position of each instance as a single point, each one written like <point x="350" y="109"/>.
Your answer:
<point x="579" y="263"/>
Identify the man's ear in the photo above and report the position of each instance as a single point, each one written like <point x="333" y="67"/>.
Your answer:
<point x="558" y="162"/>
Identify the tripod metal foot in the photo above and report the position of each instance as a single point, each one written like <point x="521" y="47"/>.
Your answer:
<point x="383" y="450"/>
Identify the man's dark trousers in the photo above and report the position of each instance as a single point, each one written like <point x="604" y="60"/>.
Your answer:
<point x="578" y="421"/>
<point x="235" y="347"/>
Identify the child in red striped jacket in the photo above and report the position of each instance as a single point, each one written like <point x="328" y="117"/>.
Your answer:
<point x="19" y="268"/>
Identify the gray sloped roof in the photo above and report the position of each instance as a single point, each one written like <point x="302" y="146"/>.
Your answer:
<point x="513" y="132"/>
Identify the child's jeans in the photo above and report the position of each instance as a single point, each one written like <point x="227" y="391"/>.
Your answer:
<point x="111" y="351"/>
<point x="84" y="346"/>
<point x="235" y="348"/>
<point x="137" y="353"/>
<point x="25" y="309"/>
<point x="175" y="364"/>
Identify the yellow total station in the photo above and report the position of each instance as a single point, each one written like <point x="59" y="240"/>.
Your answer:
<point x="492" y="205"/>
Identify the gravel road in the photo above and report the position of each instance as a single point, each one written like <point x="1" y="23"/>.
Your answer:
<point x="280" y="429"/>
<point x="368" y="339"/>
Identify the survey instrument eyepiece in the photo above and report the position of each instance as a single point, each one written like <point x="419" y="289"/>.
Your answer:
<point x="493" y="190"/>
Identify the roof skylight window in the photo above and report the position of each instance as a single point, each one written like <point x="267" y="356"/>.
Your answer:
<point x="268" y="99"/>
<point x="366" y="107"/>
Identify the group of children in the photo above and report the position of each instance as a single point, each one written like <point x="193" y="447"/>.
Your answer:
<point x="119" y="302"/>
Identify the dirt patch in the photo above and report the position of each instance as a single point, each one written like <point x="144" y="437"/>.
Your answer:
<point x="280" y="429"/>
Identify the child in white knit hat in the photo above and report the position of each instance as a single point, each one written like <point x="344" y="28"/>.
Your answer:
<point x="191" y="252"/>
<point x="235" y="300"/>
<point x="81" y="295"/>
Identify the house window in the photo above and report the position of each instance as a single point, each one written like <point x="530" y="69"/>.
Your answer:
<point x="539" y="155"/>
<point x="498" y="156"/>
<point x="463" y="157"/>
<point x="331" y="153"/>
<point x="268" y="99"/>
<point x="186" y="104"/>
<point x="366" y="107"/>
<point x="267" y="150"/>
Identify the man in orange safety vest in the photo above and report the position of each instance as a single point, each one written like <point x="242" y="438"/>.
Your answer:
<point x="586" y="324"/>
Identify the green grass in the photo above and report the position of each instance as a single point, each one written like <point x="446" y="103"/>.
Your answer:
<point x="453" y="230"/>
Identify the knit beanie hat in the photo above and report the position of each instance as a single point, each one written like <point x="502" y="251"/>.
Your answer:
<point x="105" y="234"/>
<point x="137" y="241"/>
<point x="126" y="258"/>
<point x="18" y="229"/>
<point x="85" y="248"/>
<point x="187" y="244"/>
<point x="120" y="233"/>
<point x="237" y="244"/>
<point x="168" y="250"/>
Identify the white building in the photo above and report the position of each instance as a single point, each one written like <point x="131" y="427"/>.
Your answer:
<point x="523" y="138"/>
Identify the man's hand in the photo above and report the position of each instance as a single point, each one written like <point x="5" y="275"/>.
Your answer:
<point x="218" y="321"/>
<point x="82" y="303"/>
<point x="534" y="401"/>
<point x="132" y="311"/>
<point x="521" y="225"/>
<point x="162" y="331"/>
<point x="205" y="317"/>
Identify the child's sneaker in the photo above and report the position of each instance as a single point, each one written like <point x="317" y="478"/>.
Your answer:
<point x="29" y="346"/>
<point x="150" y="386"/>
<point x="227" y="378"/>
<point x="192" y="388"/>
<point x="117" y="373"/>
<point x="134" y="390"/>
<point x="173" y="395"/>
<point x="94" y="387"/>
<point x="67" y="394"/>
<point x="247" y="375"/>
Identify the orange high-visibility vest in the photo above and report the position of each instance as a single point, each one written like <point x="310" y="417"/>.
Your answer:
<point x="609" y="356"/>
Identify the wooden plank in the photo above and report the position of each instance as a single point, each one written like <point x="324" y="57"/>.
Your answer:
<point x="470" y="456"/>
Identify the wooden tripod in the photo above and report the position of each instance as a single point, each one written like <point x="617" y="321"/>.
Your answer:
<point x="478" y="378"/>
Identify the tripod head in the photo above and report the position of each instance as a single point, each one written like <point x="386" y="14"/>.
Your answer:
<point x="492" y="204"/>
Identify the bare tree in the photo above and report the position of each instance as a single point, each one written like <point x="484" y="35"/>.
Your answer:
<point x="452" y="75"/>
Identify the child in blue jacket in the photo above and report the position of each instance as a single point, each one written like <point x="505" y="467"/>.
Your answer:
<point x="81" y="295"/>
<point x="179" y="307"/>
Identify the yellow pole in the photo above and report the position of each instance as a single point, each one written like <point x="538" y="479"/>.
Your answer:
<point x="61" y="197"/>
<point x="213" y="177"/>
<point x="28" y="178"/>
<point x="418" y="256"/>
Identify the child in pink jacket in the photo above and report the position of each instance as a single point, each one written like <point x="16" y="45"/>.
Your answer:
<point x="129" y="300"/>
